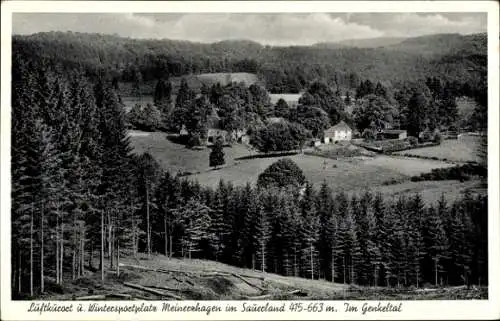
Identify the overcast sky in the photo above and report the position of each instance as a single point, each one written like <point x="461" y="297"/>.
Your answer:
<point x="273" y="29"/>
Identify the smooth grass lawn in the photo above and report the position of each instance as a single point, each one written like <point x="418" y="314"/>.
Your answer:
<point x="456" y="150"/>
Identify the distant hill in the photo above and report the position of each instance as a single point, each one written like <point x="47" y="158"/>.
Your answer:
<point x="362" y="43"/>
<point x="285" y="69"/>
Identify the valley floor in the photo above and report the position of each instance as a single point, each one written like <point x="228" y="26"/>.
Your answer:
<point x="349" y="174"/>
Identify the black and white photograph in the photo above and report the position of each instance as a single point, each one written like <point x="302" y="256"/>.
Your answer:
<point x="257" y="156"/>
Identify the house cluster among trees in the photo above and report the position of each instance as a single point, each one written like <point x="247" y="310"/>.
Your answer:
<point x="239" y="113"/>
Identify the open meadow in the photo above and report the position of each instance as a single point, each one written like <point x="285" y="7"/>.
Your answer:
<point x="463" y="149"/>
<point x="353" y="174"/>
<point x="178" y="158"/>
<point x="405" y="165"/>
<point x="338" y="174"/>
<point x="430" y="191"/>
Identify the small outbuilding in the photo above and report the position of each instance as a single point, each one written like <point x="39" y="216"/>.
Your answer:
<point x="213" y="134"/>
<point x="315" y="143"/>
<point x="395" y="134"/>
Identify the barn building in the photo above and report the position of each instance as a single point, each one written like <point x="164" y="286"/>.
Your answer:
<point x="395" y="134"/>
<point x="213" y="134"/>
<point x="339" y="132"/>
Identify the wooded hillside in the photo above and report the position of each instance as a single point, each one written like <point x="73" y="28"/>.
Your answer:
<point x="284" y="69"/>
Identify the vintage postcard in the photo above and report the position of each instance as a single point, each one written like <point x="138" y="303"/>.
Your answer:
<point x="250" y="160"/>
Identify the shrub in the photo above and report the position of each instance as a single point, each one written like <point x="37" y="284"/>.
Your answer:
<point x="426" y="136"/>
<point x="145" y="118"/>
<point x="413" y="140"/>
<point x="438" y="138"/>
<point x="194" y="140"/>
<point x="461" y="173"/>
<point x="368" y="134"/>
<point x="282" y="173"/>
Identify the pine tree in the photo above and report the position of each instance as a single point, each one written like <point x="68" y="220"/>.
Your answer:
<point x="249" y="209"/>
<point x="380" y="232"/>
<point x="217" y="154"/>
<point x="417" y="113"/>
<point x="282" y="109"/>
<point x="115" y="146"/>
<point x="415" y="245"/>
<point x="291" y="223"/>
<point x="373" y="250"/>
<point x="24" y="110"/>
<point x="325" y="211"/>
<point x="437" y="242"/>
<point x="399" y="241"/>
<point x="219" y="227"/>
<point x="194" y="217"/>
<point x="310" y="230"/>
<point x="183" y="100"/>
<point x="149" y="170"/>
<point x="390" y="234"/>
<point x="43" y="161"/>
<point x="349" y="245"/>
<point x="380" y="91"/>
<point x="360" y="208"/>
<point x="461" y="240"/>
<point x="163" y="94"/>
<point x="262" y="236"/>
<point x="335" y="250"/>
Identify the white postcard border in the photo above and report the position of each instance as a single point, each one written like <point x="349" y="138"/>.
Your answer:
<point x="476" y="309"/>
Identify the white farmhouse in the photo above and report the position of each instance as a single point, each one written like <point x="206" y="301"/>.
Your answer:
<point x="339" y="132"/>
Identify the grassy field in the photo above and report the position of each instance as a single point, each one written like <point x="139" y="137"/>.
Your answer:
<point x="430" y="191"/>
<point x="354" y="174"/>
<point x="345" y="174"/>
<point x="192" y="279"/>
<point x="405" y="165"/>
<point x="458" y="150"/>
<point x="176" y="157"/>
<point x="339" y="174"/>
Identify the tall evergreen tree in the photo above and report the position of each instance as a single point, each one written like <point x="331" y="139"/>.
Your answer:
<point x="217" y="155"/>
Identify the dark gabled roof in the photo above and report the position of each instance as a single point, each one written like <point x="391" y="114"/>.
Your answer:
<point x="340" y="126"/>
<point x="394" y="131"/>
